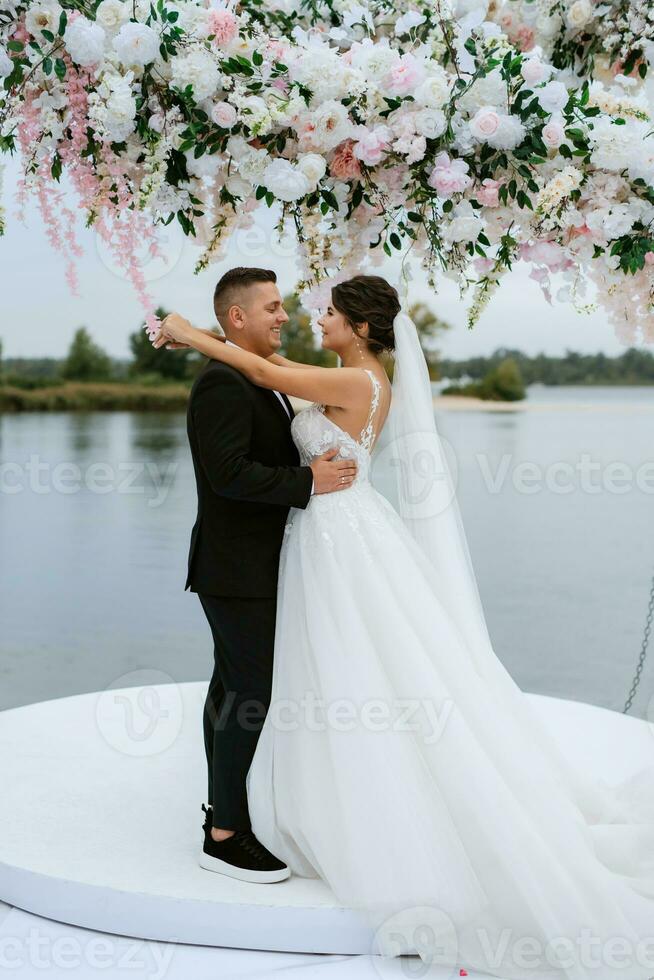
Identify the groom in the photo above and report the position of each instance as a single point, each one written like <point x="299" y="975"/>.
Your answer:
<point x="248" y="476"/>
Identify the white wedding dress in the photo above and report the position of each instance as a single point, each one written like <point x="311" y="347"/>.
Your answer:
<point x="426" y="792"/>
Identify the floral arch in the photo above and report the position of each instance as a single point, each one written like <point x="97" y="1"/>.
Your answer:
<point x="470" y="134"/>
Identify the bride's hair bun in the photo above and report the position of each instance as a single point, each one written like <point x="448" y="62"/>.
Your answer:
<point x="373" y="300"/>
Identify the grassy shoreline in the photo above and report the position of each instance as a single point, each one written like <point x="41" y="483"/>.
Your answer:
<point x="95" y="397"/>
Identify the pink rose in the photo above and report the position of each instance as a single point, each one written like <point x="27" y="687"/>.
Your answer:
<point x="484" y="123"/>
<point x="534" y="71"/>
<point x="224" y="115"/>
<point x="344" y="164"/>
<point x="487" y="194"/>
<point x="449" y="176"/>
<point x="404" y="77"/>
<point x="224" y="25"/>
<point x="649" y="258"/>
<point x="553" y="133"/>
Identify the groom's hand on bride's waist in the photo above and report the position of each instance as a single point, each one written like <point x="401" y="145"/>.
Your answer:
<point x="331" y="474"/>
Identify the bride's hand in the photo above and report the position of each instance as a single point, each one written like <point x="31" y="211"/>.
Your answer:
<point x="176" y="328"/>
<point x="161" y="341"/>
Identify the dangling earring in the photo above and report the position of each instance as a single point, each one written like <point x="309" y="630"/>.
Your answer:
<point x="361" y="357"/>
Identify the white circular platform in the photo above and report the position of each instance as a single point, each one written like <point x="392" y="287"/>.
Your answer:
<point x="102" y="823"/>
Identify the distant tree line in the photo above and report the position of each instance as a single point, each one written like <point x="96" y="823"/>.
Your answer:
<point x="632" y="367"/>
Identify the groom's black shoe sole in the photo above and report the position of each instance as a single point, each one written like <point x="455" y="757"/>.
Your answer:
<point x="240" y="856"/>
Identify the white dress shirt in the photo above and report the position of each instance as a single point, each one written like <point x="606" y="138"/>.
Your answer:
<point x="275" y="392"/>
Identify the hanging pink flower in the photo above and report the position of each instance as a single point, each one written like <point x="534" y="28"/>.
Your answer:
<point x="449" y="176"/>
<point x="487" y="194"/>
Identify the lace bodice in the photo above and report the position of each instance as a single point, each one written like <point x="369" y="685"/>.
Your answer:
<point x="314" y="433"/>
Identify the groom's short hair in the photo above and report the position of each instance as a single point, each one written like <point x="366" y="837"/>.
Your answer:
<point x="229" y="287"/>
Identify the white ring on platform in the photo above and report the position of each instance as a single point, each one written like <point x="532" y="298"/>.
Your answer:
<point x="102" y="823"/>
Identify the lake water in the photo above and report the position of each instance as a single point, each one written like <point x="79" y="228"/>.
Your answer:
<point x="557" y="500"/>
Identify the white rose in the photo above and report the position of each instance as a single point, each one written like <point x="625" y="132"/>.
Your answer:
<point x="136" y="45"/>
<point x="111" y="14"/>
<point x="553" y="97"/>
<point x="464" y="224"/>
<point x="224" y="115"/>
<point x="485" y="123"/>
<point x="313" y="166"/>
<point x="85" y="41"/>
<point x="579" y="14"/>
<point x="434" y="92"/>
<point x="534" y="71"/>
<point x="286" y="182"/>
<point x="430" y="123"/>
<point x="554" y="132"/>
<point x="42" y="17"/>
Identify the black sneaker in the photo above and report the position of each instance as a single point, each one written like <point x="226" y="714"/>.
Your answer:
<point x="240" y="856"/>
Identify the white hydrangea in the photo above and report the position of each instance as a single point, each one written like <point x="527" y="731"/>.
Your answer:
<point x="251" y="162"/>
<point x="374" y="59"/>
<point x="197" y="68"/>
<point x="136" y="45"/>
<point x="464" y="224"/>
<point x="85" y="41"/>
<point x="553" y="96"/>
<point x="287" y="182"/>
<point x="112" y="107"/>
<point x="616" y="148"/>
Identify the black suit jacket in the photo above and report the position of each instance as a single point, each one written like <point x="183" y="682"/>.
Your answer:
<point x="248" y="476"/>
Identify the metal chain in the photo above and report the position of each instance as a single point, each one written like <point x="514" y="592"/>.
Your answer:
<point x="643" y="649"/>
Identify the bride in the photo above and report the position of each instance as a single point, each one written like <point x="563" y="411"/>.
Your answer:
<point x="398" y="760"/>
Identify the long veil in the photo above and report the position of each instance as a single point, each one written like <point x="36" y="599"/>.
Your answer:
<point x="410" y="467"/>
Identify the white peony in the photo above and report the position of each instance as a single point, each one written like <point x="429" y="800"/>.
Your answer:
<point x="313" y="166"/>
<point x="136" y="45"/>
<point x="286" y="182"/>
<point x="6" y="64"/>
<point x="407" y="22"/>
<point x="42" y="17"/>
<point x="553" y="97"/>
<point x="112" y="14"/>
<point x="434" y="92"/>
<point x="85" y="41"/>
<point x="330" y="125"/>
<point x="197" y="68"/>
<point x="534" y="71"/>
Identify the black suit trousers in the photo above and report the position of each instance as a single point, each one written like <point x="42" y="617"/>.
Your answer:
<point x="237" y="700"/>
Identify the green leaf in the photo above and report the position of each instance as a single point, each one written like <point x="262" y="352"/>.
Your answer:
<point x="261" y="191"/>
<point x="447" y="206"/>
<point x="15" y="45"/>
<point x="48" y="35"/>
<point x="330" y="199"/>
<point x="60" y="68"/>
<point x="396" y="241"/>
<point x="47" y="66"/>
<point x="63" y="20"/>
<point x="257" y="58"/>
<point x="619" y="121"/>
<point x="412" y="216"/>
<point x="270" y="197"/>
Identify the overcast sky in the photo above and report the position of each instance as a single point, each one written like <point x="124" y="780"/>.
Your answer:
<point x="39" y="314"/>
